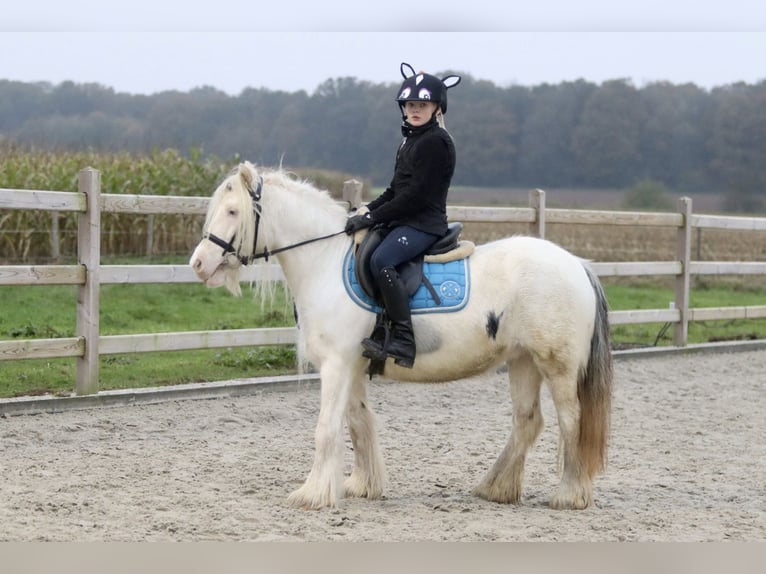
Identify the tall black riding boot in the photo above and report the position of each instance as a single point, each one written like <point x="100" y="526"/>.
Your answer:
<point x="401" y="341"/>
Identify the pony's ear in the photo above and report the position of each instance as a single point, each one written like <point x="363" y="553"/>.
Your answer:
<point x="451" y="81"/>
<point x="246" y="173"/>
<point x="407" y="66"/>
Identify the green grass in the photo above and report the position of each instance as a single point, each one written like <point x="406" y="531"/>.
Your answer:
<point x="623" y="297"/>
<point x="50" y="311"/>
<point x="45" y="311"/>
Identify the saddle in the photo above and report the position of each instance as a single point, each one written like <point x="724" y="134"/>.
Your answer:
<point x="447" y="248"/>
<point x="449" y="254"/>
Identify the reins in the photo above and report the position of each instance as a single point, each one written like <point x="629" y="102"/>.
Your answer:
<point x="265" y="254"/>
<point x="228" y="246"/>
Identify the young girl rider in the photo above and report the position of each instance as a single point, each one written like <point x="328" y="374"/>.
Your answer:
<point x="413" y="207"/>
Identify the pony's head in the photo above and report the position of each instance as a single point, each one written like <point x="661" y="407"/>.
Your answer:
<point x="229" y="230"/>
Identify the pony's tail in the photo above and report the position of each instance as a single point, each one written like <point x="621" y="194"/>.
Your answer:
<point x="594" y="388"/>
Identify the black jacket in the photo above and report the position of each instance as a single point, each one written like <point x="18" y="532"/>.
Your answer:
<point x="417" y="194"/>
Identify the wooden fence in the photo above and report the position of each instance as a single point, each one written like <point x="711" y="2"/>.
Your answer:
<point x="89" y="274"/>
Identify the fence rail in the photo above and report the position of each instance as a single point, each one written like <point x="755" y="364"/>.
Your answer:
<point x="89" y="274"/>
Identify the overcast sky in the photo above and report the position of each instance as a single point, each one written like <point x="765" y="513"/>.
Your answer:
<point x="147" y="46"/>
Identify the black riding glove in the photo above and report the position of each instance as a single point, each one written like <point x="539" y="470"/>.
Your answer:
<point x="357" y="222"/>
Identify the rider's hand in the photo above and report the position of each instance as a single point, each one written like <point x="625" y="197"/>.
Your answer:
<point x="357" y="222"/>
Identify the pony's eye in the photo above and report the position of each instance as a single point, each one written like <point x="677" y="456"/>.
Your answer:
<point x="233" y="212"/>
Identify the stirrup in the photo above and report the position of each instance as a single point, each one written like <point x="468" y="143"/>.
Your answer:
<point x="375" y="345"/>
<point x="373" y="350"/>
<point x="406" y="362"/>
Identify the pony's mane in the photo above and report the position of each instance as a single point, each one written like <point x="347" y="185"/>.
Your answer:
<point x="295" y="195"/>
<point x="302" y="191"/>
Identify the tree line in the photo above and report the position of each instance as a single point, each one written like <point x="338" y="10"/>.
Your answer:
<point x="611" y="135"/>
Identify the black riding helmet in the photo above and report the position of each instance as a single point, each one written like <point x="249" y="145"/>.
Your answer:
<point x="424" y="87"/>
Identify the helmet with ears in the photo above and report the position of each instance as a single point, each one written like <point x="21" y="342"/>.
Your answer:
<point x="424" y="87"/>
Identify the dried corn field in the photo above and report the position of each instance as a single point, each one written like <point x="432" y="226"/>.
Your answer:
<point x="31" y="240"/>
<point x="30" y="236"/>
<point x="633" y="243"/>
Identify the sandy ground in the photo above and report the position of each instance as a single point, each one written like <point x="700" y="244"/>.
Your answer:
<point x="687" y="463"/>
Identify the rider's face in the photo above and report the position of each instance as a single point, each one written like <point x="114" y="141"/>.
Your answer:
<point x="419" y="113"/>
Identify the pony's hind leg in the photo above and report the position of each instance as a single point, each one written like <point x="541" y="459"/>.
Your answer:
<point x="503" y="482"/>
<point x="322" y="486"/>
<point x="368" y="476"/>
<point x="575" y="490"/>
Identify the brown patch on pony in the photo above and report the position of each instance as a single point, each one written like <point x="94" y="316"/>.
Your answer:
<point x="493" y="324"/>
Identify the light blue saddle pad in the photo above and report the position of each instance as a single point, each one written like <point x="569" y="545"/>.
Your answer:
<point x="452" y="281"/>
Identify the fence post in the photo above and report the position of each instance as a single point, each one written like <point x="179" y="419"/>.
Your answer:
<point x="89" y="256"/>
<point x="352" y="192"/>
<point x="537" y="202"/>
<point x="55" y="239"/>
<point x="149" y="235"/>
<point x="683" y="283"/>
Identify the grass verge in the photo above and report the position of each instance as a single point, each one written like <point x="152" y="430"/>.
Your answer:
<point x="49" y="312"/>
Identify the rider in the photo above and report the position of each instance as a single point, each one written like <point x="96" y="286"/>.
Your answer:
<point x="414" y="206"/>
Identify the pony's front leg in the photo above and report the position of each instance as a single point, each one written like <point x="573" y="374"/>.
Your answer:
<point x="368" y="477"/>
<point x="322" y="486"/>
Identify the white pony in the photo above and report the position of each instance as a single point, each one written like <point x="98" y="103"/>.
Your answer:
<point x="533" y="306"/>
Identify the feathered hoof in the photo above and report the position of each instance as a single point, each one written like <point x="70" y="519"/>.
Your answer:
<point x="570" y="501"/>
<point x="355" y="487"/>
<point x="303" y="498"/>
<point x="494" y="494"/>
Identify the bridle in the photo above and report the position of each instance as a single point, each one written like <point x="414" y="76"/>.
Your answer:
<point x="228" y="246"/>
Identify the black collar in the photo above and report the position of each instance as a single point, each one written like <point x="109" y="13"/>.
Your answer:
<point x="408" y="130"/>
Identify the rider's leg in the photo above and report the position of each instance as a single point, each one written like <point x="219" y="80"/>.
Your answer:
<point x="402" y="244"/>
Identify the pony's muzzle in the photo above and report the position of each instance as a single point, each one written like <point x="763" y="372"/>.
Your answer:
<point x="198" y="264"/>
<point x="198" y="267"/>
